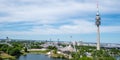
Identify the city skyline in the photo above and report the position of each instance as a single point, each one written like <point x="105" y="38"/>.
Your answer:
<point x="59" y="19"/>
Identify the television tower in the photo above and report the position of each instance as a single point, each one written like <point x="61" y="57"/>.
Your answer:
<point x="98" y="28"/>
<point x="7" y="40"/>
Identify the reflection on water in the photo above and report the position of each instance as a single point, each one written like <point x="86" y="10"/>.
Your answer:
<point x="36" y="57"/>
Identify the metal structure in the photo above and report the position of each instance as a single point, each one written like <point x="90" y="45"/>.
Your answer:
<point x="98" y="23"/>
<point x="73" y="43"/>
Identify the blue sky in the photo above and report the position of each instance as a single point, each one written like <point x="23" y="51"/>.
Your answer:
<point x="45" y="19"/>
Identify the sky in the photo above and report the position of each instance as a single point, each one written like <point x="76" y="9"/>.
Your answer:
<point x="59" y="19"/>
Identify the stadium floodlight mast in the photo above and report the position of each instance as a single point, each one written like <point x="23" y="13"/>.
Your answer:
<point x="98" y="23"/>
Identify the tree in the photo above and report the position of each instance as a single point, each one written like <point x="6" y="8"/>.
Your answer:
<point x="55" y="51"/>
<point x="3" y="47"/>
<point x="25" y="49"/>
<point x="15" y="52"/>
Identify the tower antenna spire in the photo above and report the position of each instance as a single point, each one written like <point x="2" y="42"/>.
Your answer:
<point x="97" y="4"/>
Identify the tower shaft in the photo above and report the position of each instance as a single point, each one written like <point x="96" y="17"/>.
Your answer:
<point x="98" y="38"/>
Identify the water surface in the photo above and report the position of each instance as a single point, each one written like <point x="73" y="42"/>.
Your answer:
<point x="36" y="57"/>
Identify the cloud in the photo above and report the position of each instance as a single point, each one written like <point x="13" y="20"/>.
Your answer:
<point x="44" y="11"/>
<point x="76" y="27"/>
<point x="109" y="29"/>
<point x="53" y="16"/>
<point x="48" y="10"/>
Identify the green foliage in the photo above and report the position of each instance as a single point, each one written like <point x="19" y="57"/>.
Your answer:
<point x="115" y="51"/>
<point x="14" y="50"/>
<point x="100" y="53"/>
<point x="52" y="47"/>
<point x="55" y="51"/>
<point x="96" y="54"/>
<point x="75" y="56"/>
<point x="103" y="58"/>
<point x="3" y="47"/>
<point x="85" y="47"/>
<point x="25" y="49"/>
<point x="36" y="47"/>
<point x="85" y="58"/>
<point x="17" y="44"/>
<point x="63" y="45"/>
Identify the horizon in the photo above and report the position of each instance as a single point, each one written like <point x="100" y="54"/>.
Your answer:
<point x="59" y="19"/>
<point x="12" y="39"/>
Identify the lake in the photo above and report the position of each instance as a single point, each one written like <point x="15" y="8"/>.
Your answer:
<point x="36" y="57"/>
<point x="42" y="57"/>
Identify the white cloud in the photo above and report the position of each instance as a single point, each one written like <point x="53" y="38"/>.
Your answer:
<point x="48" y="12"/>
<point x="108" y="29"/>
<point x="77" y="27"/>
